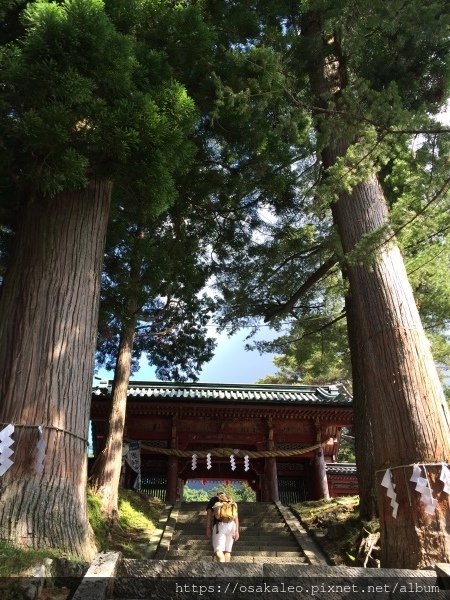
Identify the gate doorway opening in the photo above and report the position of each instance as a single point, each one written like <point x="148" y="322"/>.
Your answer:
<point x="201" y="490"/>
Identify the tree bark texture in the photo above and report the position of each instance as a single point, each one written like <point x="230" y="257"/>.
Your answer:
<point x="106" y="471"/>
<point x="362" y="424"/>
<point x="404" y="396"/>
<point x="406" y="403"/>
<point x="319" y="477"/>
<point x="48" y="324"/>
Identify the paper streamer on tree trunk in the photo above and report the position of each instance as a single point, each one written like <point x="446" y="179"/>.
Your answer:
<point x="445" y="478"/>
<point x="40" y="452"/>
<point x="6" y="451"/>
<point x="423" y="487"/>
<point x="390" y="491"/>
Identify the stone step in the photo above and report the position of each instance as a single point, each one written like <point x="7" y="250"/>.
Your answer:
<point x="255" y="510"/>
<point x="196" y="505"/>
<point x="250" y="533"/>
<point x="269" y="538"/>
<point x="266" y="560"/>
<point x="180" y="554"/>
<point x="242" y="525"/>
<point x="243" y="545"/>
<point x="247" y="521"/>
<point x="142" y="569"/>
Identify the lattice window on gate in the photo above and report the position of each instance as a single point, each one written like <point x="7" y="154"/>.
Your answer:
<point x="154" y="485"/>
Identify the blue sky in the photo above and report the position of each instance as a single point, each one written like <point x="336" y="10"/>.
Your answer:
<point x="231" y="363"/>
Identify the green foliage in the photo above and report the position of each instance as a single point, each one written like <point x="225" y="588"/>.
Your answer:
<point x="97" y="521"/>
<point x="405" y="45"/>
<point x="447" y="394"/>
<point x="59" y="97"/>
<point x="152" y="279"/>
<point x="245" y="493"/>
<point x="346" y="447"/>
<point x="191" y="495"/>
<point x="370" y="113"/>
<point x="138" y="517"/>
<point x="154" y="271"/>
<point x="137" y="512"/>
<point x="337" y="525"/>
<point x="16" y="560"/>
<point x="241" y="492"/>
<point x="74" y="106"/>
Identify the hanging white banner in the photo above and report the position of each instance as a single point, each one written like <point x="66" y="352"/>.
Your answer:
<point x="133" y="458"/>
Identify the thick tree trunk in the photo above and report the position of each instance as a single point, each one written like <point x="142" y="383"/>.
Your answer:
<point x="319" y="477"/>
<point x="48" y="324"/>
<point x="106" y="471"/>
<point x="404" y="396"/>
<point x="362" y="424"/>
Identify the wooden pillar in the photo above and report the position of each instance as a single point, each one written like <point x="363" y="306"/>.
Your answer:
<point x="270" y="468"/>
<point x="272" y="479"/>
<point x="264" y="495"/>
<point x="172" y="480"/>
<point x="172" y="467"/>
<point x="319" y="475"/>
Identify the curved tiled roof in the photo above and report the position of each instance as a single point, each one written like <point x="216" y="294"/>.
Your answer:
<point x="340" y="469"/>
<point x="234" y="393"/>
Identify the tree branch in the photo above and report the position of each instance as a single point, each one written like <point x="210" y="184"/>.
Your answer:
<point x="318" y="330"/>
<point x="312" y="279"/>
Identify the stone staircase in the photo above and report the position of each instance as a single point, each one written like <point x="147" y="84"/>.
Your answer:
<point x="264" y="536"/>
<point x="271" y="541"/>
<point x="275" y="559"/>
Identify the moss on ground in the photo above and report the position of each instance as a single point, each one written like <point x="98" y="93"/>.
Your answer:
<point x="337" y="527"/>
<point x="138" y="516"/>
<point x="15" y="560"/>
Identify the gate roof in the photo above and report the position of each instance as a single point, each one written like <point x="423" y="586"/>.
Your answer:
<point x="305" y="395"/>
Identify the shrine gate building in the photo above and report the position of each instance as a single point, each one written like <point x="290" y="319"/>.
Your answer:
<point x="274" y="424"/>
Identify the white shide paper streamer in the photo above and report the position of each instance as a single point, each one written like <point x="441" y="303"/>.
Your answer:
<point x="390" y="490"/>
<point x="6" y="452"/>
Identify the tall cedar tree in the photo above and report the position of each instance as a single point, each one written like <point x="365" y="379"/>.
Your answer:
<point x="360" y="91"/>
<point x="77" y="114"/>
<point x="404" y="396"/>
<point x="150" y="300"/>
<point x="314" y="349"/>
<point x="150" y="304"/>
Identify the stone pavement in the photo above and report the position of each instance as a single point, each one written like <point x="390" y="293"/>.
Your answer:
<point x="238" y="581"/>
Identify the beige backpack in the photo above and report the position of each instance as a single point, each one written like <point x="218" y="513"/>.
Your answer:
<point x="225" y="511"/>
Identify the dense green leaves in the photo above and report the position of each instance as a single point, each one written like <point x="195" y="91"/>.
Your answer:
<point x="153" y="279"/>
<point x="279" y="245"/>
<point x="75" y="106"/>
